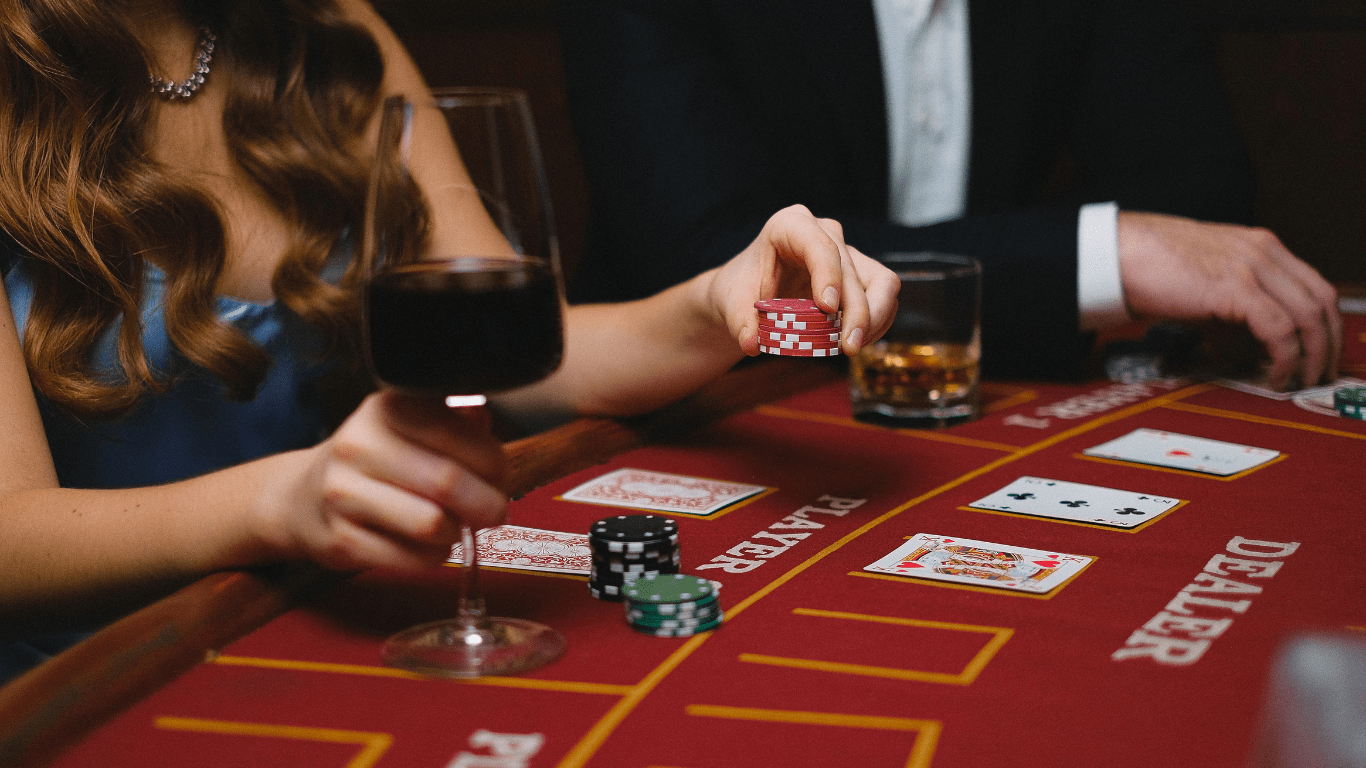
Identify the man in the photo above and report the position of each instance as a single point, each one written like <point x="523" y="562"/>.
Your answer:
<point x="1080" y="148"/>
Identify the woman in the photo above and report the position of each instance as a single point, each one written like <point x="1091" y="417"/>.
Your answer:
<point x="215" y="211"/>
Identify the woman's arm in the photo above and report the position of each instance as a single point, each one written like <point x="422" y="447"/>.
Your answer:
<point x="623" y="359"/>
<point x="374" y="493"/>
<point x="629" y="358"/>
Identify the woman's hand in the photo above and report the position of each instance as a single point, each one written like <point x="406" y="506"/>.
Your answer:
<point x="390" y="487"/>
<point x="800" y="256"/>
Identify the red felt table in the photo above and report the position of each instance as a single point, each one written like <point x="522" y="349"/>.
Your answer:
<point x="819" y="663"/>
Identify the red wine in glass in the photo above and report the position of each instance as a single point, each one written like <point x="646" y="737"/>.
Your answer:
<point x="465" y="326"/>
<point x="456" y="181"/>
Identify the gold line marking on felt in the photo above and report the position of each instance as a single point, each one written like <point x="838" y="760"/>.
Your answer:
<point x="843" y="421"/>
<point x="963" y="478"/>
<point x="1206" y="410"/>
<point x="1188" y="472"/>
<point x="1019" y="397"/>
<point x="1123" y="413"/>
<point x="926" y="731"/>
<point x="510" y="569"/>
<point x="1180" y="503"/>
<point x="373" y="744"/>
<point x="969" y="673"/>
<point x="563" y="686"/>
<point x="1356" y="629"/>
<point x="674" y="514"/>
<point x="593" y="740"/>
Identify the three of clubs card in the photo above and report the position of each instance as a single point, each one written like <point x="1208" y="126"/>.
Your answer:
<point x="1078" y="502"/>
<point x="980" y="563"/>
<point x="1170" y="449"/>
<point x="661" y="492"/>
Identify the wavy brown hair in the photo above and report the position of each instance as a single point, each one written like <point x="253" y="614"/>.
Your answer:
<point x="84" y="202"/>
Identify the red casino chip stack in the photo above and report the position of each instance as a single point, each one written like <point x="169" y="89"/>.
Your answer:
<point x="797" y="328"/>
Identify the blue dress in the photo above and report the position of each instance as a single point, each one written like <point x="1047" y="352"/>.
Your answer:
<point x="192" y="429"/>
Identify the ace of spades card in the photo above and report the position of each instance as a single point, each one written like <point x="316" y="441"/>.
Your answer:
<point x="661" y="492"/>
<point x="966" y="561"/>
<point x="1077" y="502"/>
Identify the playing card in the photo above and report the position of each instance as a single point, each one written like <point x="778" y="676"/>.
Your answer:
<point x="965" y="561"/>
<point x="661" y="492"/>
<point x="1169" y="449"/>
<point x="530" y="549"/>
<point x="1079" y="502"/>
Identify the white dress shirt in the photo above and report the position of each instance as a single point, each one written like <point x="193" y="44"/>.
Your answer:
<point x="926" y="66"/>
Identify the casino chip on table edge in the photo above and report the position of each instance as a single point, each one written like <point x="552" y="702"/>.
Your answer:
<point x="1350" y="402"/>
<point x="797" y="328"/>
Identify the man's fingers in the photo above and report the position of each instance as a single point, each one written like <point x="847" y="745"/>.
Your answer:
<point x="1269" y="322"/>
<point x="1177" y="268"/>
<point x="1310" y="326"/>
<point x="1325" y="298"/>
<point x="1307" y="298"/>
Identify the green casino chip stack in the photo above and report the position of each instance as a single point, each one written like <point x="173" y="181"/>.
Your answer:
<point x="1350" y="402"/>
<point x="673" y="605"/>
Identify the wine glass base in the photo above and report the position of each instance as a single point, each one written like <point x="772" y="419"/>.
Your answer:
<point x="498" y="646"/>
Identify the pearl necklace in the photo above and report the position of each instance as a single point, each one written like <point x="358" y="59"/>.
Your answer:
<point x="173" y="91"/>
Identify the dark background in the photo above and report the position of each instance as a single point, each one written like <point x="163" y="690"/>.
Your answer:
<point x="1294" y="71"/>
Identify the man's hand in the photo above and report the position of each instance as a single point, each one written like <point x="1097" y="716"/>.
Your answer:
<point x="1174" y="268"/>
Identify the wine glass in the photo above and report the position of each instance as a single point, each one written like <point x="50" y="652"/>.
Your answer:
<point x="460" y="305"/>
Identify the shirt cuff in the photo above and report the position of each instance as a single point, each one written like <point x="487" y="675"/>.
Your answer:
<point x="1100" y="293"/>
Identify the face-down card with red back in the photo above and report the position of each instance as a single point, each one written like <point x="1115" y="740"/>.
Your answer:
<point x="530" y="549"/>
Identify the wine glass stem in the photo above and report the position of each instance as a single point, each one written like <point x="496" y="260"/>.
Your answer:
<point x="471" y="610"/>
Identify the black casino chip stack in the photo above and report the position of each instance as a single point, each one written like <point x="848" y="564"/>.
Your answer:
<point x="628" y="547"/>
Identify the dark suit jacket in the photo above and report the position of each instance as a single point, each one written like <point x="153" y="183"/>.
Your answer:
<point x="697" y="119"/>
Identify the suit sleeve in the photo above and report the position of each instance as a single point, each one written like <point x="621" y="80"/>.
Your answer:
<point x="1154" y="131"/>
<point x="677" y="184"/>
